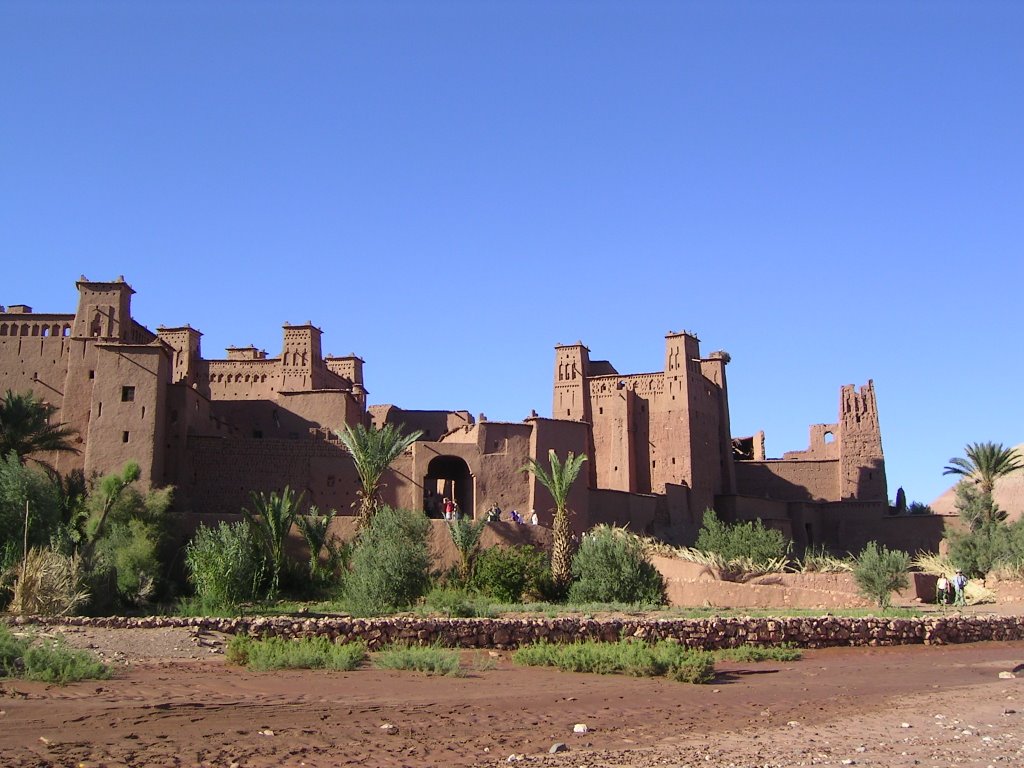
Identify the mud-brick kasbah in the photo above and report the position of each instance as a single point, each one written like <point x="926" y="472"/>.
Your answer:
<point x="659" y="443"/>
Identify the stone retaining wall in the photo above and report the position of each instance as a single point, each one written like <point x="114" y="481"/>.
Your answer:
<point x="709" y="634"/>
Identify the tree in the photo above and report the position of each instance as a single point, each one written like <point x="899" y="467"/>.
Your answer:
<point x="272" y="517"/>
<point x="25" y="428"/>
<point x="612" y="567"/>
<point x="372" y="452"/>
<point x="880" y="571"/>
<point x="466" y="535"/>
<point x="390" y="563"/>
<point x="985" y="464"/>
<point x="110" y="489"/>
<point x="559" y="481"/>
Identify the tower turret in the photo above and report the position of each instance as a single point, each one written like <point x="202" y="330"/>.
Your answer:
<point x="571" y="400"/>
<point x="104" y="310"/>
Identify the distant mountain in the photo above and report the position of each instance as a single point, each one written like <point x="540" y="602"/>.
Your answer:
<point x="1009" y="495"/>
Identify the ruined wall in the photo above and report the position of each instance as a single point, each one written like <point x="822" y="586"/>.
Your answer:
<point x="434" y="424"/>
<point x="822" y="444"/>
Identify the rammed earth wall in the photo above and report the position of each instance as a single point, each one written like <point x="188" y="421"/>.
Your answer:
<point x="709" y="634"/>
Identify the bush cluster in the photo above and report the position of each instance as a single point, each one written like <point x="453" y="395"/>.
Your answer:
<point x="47" y="661"/>
<point x="626" y="657"/>
<point x="611" y="567"/>
<point x="880" y="571"/>
<point x="225" y="565"/>
<point x="741" y="541"/>
<point x="308" y="653"/>
<point x="390" y="563"/>
<point x="508" y="574"/>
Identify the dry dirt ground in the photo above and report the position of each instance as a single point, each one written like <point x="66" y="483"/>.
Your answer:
<point x="173" y="701"/>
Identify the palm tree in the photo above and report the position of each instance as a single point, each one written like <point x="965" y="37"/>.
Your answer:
<point x="466" y="535"/>
<point x="373" y="451"/>
<point x="25" y="428"/>
<point x="272" y="517"/>
<point x="315" y="529"/>
<point x="559" y="481"/>
<point x="985" y="463"/>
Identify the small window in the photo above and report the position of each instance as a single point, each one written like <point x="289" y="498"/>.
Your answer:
<point x="127" y="395"/>
<point x="124" y="437"/>
<point x="92" y="374"/>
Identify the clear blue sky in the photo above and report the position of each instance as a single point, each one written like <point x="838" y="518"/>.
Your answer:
<point x="831" y="192"/>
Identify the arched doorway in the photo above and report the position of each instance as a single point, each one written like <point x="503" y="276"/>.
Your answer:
<point x="448" y="476"/>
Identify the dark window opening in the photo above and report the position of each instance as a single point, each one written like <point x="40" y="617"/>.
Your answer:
<point x="92" y="374"/>
<point x="124" y="437"/>
<point x="127" y="394"/>
<point x="258" y="434"/>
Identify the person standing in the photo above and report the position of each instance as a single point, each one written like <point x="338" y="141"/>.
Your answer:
<point x="959" y="584"/>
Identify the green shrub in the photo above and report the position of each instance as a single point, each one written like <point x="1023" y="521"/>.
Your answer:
<point x="739" y="541"/>
<point x="611" y="566"/>
<point x="50" y="661"/>
<point x="879" y="571"/>
<point x="506" y="573"/>
<point x="759" y="653"/>
<point x="432" y="659"/>
<point x="456" y="602"/>
<point x="390" y="563"/>
<point x="54" y="662"/>
<point x="626" y="657"/>
<point x="225" y="564"/>
<point x="18" y="484"/>
<point x="308" y="653"/>
<point x="11" y="649"/>
<point x="131" y="549"/>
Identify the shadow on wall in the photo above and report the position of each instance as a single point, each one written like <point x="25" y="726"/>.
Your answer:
<point x="756" y="478"/>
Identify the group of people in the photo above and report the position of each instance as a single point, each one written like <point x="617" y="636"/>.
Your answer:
<point x="951" y="591"/>
<point x="448" y="509"/>
<point x="494" y="515"/>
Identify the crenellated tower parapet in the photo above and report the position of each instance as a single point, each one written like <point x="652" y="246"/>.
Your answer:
<point x="862" y="463"/>
<point x="104" y="310"/>
<point x="187" y="352"/>
<point x="571" y="400"/>
<point x="302" y="364"/>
